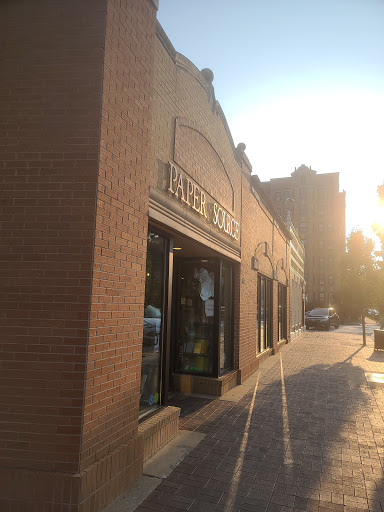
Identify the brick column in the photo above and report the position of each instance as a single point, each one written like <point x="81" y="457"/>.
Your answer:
<point x="110" y="429"/>
<point x="74" y="148"/>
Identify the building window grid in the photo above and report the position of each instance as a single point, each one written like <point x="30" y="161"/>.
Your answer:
<point x="303" y="227"/>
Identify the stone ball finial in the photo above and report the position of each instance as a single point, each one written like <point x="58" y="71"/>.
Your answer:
<point x="208" y="74"/>
<point x="241" y="146"/>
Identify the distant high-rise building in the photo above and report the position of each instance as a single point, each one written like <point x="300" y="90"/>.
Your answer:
<point x="317" y="210"/>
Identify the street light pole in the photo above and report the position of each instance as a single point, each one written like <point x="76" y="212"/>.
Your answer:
<point x="363" y="325"/>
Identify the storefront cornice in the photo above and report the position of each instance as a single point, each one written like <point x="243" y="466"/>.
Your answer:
<point x="171" y="214"/>
<point x="200" y="76"/>
<point x="163" y="38"/>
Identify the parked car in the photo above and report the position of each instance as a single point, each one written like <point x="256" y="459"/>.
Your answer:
<point x="322" y="318"/>
<point x="151" y="331"/>
<point x="373" y="313"/>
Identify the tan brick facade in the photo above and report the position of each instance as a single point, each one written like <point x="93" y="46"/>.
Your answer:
<point x="318" y="213"/>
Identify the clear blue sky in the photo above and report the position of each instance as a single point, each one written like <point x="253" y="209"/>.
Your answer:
<point x="300" y="82"/>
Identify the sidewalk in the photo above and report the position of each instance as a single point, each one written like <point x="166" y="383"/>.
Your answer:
<point x="308" y="435"/>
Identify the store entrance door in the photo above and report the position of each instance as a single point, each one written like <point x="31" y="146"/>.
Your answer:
<point x="264" y="313"/>
<point x="202" y="317"/>
<point x="195" y="326"/>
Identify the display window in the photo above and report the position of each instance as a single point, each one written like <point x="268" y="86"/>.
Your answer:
<point x="153" y="327"/>
<point x="282" y="310"/>
<point x="264" y="313"/>
<point x="203" y="317"/>
<point x="196" y="317"/>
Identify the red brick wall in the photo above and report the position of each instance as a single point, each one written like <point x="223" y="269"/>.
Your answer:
<point x="201" y="143"/>
<point x="76" y="122"/>
<point x="257" y="227"/>
<point x="194" y="154"/>
<point x="116" y="325"/>
<point x="50" y="104"/>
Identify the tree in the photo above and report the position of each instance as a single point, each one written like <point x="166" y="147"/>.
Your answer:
<point x="378" y="228"/>
<point x="358" y="275"/>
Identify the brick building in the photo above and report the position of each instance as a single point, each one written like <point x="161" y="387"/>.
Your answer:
<point x="139" y="253"/>
<point x="297" y="283"/>
<point x="318" y="212"/>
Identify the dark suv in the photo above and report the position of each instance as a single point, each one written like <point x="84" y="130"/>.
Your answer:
<point x="322" y="318"/>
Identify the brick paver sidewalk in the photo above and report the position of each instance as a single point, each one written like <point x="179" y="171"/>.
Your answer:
<point x="307" y="437"/>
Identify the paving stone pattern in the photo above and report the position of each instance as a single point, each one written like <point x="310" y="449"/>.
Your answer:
<point x="307" y="437"/>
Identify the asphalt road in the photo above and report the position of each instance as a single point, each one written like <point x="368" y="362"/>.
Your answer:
<point x="356" y="329"/>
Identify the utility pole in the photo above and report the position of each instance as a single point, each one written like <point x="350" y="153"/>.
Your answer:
<point x="363" y="324"/>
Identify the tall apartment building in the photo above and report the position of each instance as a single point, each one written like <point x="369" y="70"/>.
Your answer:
<point x="318" y="212"/>
<point x="297" y="283"/>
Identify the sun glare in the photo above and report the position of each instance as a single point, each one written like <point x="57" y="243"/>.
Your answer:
<point x="327" y="130"/>
<point x="365" y="213"/>
<point x="374" y="214"/>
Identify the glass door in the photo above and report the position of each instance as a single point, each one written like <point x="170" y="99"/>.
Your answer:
<point x="268" y="313"/>
<point x="153" y="328"/>
<point x="264" y="313"/>
<point x="195" y="310"/>
<point x="282" y="300"/>
<point x="203" y="312"/>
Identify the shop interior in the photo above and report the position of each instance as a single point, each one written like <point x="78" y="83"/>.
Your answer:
<point x="188" y="314"/>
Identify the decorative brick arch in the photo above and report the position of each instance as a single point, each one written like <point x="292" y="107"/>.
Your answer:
<point x="197" y="156"/>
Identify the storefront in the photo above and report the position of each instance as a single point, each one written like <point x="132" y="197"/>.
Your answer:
<point x="188" y="331"/>
<point x="209" y="317"/>
<point x="166" y="271"/>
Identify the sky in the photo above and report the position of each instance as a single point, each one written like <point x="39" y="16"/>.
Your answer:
<point x="300" y="82"/>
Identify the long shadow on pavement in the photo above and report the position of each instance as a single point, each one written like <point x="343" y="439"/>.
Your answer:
<point x="305" y="441"/>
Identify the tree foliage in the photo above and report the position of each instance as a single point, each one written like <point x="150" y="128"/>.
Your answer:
<point x="358" y="276"/>
<point x="379" y="230"/>
<point x="378" y="227"/>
